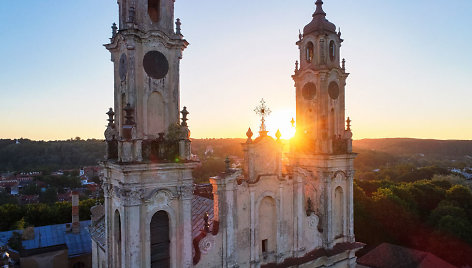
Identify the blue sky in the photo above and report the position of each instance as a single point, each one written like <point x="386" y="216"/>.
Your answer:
<point x="409" y="63"/>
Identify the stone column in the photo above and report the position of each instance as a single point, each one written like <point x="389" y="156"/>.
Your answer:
<point x="132" y="243"/>
<point x="350" y="206"/>
<point x="299" y="215"/>
<point x="231" y="250"/>
<point x="186" y="223"/>
<point x="328" y="210"/>
<point x="254" y="254"/>
<point x="107" y="194"/>
<point x="220" y="214"/>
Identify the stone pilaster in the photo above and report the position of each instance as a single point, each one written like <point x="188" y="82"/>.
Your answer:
<point x="186" y="223"/>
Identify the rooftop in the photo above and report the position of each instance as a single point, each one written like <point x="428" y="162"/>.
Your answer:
<point x="54" y="235"/>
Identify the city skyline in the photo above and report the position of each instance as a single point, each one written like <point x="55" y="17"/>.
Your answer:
<point x="408" y="64"/>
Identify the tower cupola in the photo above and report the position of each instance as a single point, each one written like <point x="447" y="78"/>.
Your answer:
<point x="319" y="22"/>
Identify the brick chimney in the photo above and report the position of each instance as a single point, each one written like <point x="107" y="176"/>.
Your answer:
<point x="75" y="212"/>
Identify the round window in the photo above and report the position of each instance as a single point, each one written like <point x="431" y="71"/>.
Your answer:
<point x="309" y="91"/>
<point x="333" y="90"/>
<point x="155" y="64"/>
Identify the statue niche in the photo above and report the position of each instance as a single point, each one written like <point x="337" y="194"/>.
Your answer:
<point x="155" y="114"/>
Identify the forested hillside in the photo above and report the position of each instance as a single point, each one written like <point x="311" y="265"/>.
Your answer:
<point x="30" y="155"/>
<point x="72" y="154"/>
<point x="429" y="148"/>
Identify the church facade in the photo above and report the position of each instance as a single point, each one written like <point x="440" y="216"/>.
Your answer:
<point x="290" y="205"/>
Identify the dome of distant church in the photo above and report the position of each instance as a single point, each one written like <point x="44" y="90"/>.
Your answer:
<point x="319" y="22"/>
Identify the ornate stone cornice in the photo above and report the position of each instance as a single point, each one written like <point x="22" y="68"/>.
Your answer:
<point x="129" y="197"/>
<point x="150" y="36"/>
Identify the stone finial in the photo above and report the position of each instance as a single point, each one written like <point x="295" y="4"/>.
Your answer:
<point x="227" y="164"/>
<point x="206" y="219"/>
<point x="131" y="15"/>
<point x="111" y="119"/>
<point x="249" y="135"/>
<point x="339" y="32"/>
<point x="184" y="113"/>
<point x="114" y="30"/>
<point x="278" y="134"/>
<point x="178" y="29"/>
<point x="129" y="115"/>
<point x="296" y="66"/>
<point x="292" y="122"/>
<point x="344" y="64"/>
<point x="348" y="121"/>
<point x="300" y="36"/>
<point x="319" y="8"/>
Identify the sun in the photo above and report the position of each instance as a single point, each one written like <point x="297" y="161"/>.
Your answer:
<point x="280" y="120"/>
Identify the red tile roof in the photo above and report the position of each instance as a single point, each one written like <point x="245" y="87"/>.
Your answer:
<point x="391" y="256"/>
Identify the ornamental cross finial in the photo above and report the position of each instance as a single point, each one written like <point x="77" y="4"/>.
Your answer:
<point x="263" y="111"/>
<point x="348" y="121"/>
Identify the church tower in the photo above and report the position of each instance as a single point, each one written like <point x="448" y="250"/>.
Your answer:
<point x="147" y="177"/>
<point x="321" y="154"/>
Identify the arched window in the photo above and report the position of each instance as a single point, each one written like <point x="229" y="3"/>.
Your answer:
<point x="332" y="50"/>
<point x="117" y="235"/>
<point x="267" y="226"/>
<point x="338" y="217"/>
<point x="154" y="10"/>
<point x="309" y="52"/>
<point x="160" y="242"/>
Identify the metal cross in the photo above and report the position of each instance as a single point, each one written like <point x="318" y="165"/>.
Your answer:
<point x="263" y="111"/>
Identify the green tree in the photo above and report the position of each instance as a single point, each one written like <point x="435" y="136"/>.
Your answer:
<point x="460" y="196"/>
<point x="16" y="242"/>
<point x="10" y="214"/>
<point x="30" y="189"/>
<point x="49" y="196"/>
<point x="84" y="209"/>
<point x="62" y="212"/>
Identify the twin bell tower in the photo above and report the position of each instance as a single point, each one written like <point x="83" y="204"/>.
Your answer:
<point x="147" y="177"/>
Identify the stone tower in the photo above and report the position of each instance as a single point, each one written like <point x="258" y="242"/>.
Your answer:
<point x="322" y="154"/>
<point x="147" y="176"/>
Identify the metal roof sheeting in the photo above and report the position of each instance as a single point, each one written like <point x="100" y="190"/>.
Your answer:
<point x="52" y="235"/>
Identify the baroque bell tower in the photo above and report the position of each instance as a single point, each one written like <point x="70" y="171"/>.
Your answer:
<point x="147" y="177"/>
<point x="321" y="155"/>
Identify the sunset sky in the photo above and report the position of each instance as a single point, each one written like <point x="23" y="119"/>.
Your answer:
<point x="410" y="65"/>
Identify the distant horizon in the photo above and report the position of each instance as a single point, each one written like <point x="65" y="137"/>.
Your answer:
<point x="405" y="79"/>
<point x="100" y="139"/>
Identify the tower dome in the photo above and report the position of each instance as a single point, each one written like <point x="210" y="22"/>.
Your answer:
<point x="319" y="22"/>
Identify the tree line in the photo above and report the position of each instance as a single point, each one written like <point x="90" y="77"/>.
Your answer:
<point x="431" y="215"/>
<point x="18" y="217"/>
